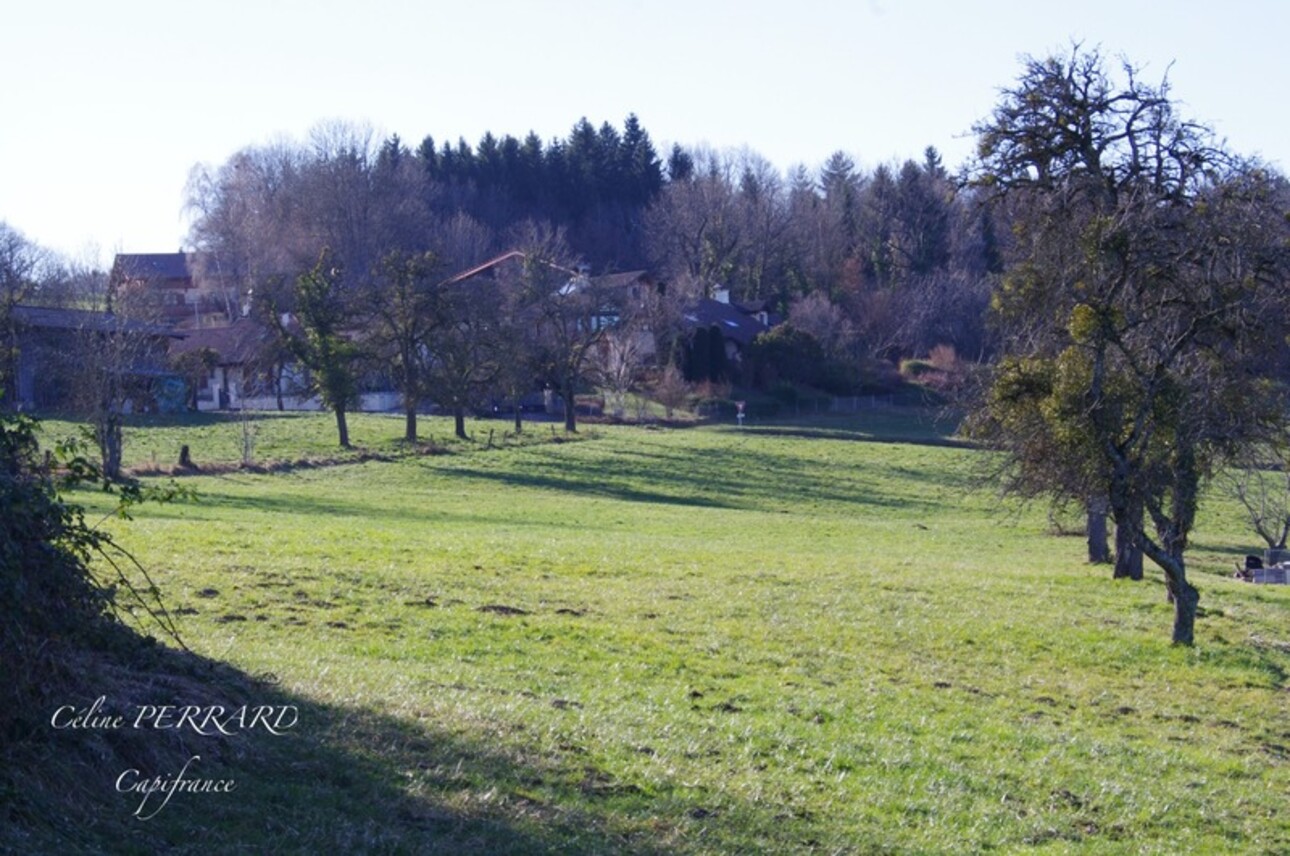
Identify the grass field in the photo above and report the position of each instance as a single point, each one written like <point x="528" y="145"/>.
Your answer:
<point x="814" y="637"/>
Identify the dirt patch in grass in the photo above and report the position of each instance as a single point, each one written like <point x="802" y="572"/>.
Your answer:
<point x="501" y="609"/>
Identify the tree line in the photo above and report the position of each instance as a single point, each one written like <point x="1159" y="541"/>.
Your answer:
<point x="900" y="256"/>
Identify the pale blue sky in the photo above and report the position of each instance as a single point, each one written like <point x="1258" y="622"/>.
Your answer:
<point x="105" y="106"/>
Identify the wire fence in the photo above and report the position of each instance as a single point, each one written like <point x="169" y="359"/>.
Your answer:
<point x="722" y="409"/>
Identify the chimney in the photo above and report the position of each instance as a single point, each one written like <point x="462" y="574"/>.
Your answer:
<point x="721" y="294"/>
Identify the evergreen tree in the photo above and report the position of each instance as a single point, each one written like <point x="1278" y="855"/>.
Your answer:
<point x="428" y="157"/>
<point x="718" y="363"/>
<point x="639" y="163"/>
<point x="680" y="165"/>
<point x="698" y="357"/>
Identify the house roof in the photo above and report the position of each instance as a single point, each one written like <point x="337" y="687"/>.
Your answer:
<point x="236" y="343"/>
<point x="752" y="306"/>
<point x="165" y="266"/>
<point x="151" y="266"/>
<point x="57" y="318"/>
<point x="619" y="280"/>
<point x="484" y="267"/>
<point x="729" y="319"/>
<point x="513" y="255"/>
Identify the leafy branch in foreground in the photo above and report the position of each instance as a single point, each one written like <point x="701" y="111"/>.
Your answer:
<point x="49" y="593"/>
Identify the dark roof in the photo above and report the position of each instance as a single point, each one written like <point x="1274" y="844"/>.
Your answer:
<point x="151" y="266"/>
<point x="618" y="280"/>
<point x="236" y="343"/>
<point x="56" y="318"/>
<point x="167" y="266"/>
<point x="755" y="306"/>
<point x="733" y="323"/>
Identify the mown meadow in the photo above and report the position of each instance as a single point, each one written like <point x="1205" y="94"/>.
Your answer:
<point x="825" y="636"/>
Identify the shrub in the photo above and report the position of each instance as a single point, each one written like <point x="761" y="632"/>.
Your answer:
<point x="49" y="599"/>
<point x="916" y="369"/>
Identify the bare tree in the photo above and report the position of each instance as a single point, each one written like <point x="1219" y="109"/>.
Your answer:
<point x="116" y="354"/>
<point x="1262" y="486"/>
<point x="570" y="314"/>
<point x="406" y="306"/>
<point x="617" y="364"/>
<point x="825" y="322"/>
<point x="696" y="228"/>
<point x="670" y="389"/>
<point x="516" y="350"/>
<point x="465" y="359"/>
<point x="248" y="213"/>
<point x="20" y="264"/>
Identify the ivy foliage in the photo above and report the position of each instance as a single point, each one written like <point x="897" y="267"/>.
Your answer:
<point x="64" y="581"/>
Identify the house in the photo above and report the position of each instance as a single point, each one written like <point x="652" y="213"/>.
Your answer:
<point x="236" y="351"/>
<point x="55" y="344"/>
<point x="187" y="289"/>
<point x="617" y="293"/>
<point x="738" y="324"/>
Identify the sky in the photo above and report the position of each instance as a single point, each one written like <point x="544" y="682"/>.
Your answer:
<point x="106" y="107"/>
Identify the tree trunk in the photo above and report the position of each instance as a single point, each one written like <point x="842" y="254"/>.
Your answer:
<point x="570" y="410"/>
<point x="1128" y="557"/>
<point x="108" y="429"/>
<point x="459" y="421"/>
<point x="519" y="418"/>
<point x="410" y="423"/>
<point x="1186" y="599"/>
<point x="1128" y="553"/>
<point x="1099" y="549"/>
<point x="342" y="428"/>
<point x="110" y="443"/>
<point x="1182" y="594"/>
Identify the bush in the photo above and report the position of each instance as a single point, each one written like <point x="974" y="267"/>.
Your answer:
<point x="880" y="377"/>
<point x="942" y="371"/>
<point x="917" y="369"/>
<point x="785" y="392"/>
<point x="49" y="600"/>
<point x="46" y="592"/>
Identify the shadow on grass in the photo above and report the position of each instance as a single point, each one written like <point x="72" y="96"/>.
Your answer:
<point x="378" y="508"/>
<point x="343" y="779"/>
<point x="904" y="426"/>
<point x="732" y="478"/>
<point x="859" y="436"/>
<point x="188" y="419"/>
<point x="1237" y="552"/>
<point x="762" y="476"/>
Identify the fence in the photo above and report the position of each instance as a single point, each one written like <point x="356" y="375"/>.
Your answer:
<point x="722" y="409"/>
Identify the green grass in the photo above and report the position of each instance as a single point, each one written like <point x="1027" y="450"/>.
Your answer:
<point x="801" y="638"/>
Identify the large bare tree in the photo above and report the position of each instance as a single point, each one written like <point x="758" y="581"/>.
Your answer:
<point x="569" y="313"/>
